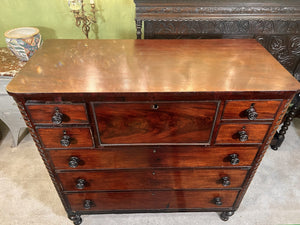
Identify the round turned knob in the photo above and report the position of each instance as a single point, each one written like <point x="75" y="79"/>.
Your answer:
<point x="65" y="140"/>
<point x="218" y="201"/>
<point x="155" y="106"/>
<point x="57" y="117"/>
<point x="80" y="183"/>
<point x="234" y="159"/>
<point x="243" y="136"/>
<point x="225" y="181"/>
<point x="73" y="161"/>
<point x="87" y="204"/>
<point x="251" y="113"/>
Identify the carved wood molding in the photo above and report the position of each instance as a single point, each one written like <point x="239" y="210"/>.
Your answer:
<point x="148" y="13"/>
<point x="237" y="26"/>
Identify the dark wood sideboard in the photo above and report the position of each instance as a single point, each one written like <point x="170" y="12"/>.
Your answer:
<point x="273" y="23"/>
<point x="152" y="125"/>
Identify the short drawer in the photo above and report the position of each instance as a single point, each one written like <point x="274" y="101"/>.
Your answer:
<point x="242" y="133"/>
<point x="250" y="110"/>
<point x="66" y="137"/>
<point x="57" y="113"/>
<point x="152" y="200"/>
<point x="152" y="179"/>
<point x="155" y="123"/>
<point x="156" y="157"/>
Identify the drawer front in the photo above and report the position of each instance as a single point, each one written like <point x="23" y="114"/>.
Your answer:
<point x="57" y="113"/>
<point x="155" y="123"/>
<point x="242" y="133"/>
<point x="243" y="110"/>
<point x="66" y="137"/>
<point x="136" y="157"/>
<point x="151" y="200"/>
<point x="155" y="179"/>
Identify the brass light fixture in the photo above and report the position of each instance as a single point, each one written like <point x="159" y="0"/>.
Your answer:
<point x="77" y="7"/>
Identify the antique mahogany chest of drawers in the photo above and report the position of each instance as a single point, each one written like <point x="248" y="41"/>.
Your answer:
<point x="152" y="125"/>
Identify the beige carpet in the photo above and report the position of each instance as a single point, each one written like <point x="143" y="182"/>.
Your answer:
<point x="27" y="196"/>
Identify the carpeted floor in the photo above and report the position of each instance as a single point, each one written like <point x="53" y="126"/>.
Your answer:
<point x="27" y="196"/>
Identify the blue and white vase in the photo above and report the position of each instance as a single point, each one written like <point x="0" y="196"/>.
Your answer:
<point x="23" y="41"/>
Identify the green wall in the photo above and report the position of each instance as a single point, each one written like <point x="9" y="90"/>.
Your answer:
<point x="115" y="19"/>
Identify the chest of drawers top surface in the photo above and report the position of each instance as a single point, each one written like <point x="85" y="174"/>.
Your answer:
<point x="150" y="66"/>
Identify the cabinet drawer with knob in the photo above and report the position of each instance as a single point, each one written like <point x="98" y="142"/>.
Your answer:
<point x="242" y="133"/>
<point x="65" y="137"/>
<point x="250" y="110"/>
<point x="155" y="122"/>
<point x="152" y="179"/>
<point x="138" y="157"/>
<point x="57" y="114"/>
<point x="152" y="200"/>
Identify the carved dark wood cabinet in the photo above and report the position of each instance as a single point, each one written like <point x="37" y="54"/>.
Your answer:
<point x="152" y="125"/>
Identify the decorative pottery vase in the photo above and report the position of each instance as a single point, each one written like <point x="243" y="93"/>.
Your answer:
<point x="23" y="41"/>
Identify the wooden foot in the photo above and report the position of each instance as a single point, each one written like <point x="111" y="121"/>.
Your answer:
<point x="75" y="218"/>
<point x="225" y="215"/>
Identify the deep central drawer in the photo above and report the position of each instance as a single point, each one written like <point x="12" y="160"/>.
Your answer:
<point x="152" y="179"/>
<point x="155" y="123"/>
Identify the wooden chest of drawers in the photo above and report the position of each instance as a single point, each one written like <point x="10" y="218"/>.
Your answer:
<point x="152" y="125"/>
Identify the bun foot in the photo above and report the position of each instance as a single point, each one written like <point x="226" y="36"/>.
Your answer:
<point x="225" y="215"/>
<point x="75" y="218"/>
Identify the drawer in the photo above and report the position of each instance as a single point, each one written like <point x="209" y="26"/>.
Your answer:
<point x="250" y="110"/>
<point x="57" y="113"/>
<point x="155" y="123"/>
<point x="242" y="133"/>
<point x="138" y="157"/>
<point x="151" y="200"/>
<point x="152" y="179"/>
<point x="66" y="137"/>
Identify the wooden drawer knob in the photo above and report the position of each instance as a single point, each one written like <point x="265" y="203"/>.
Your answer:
<point x="87" y="204"/>
<point x="243" y="136"/>
<point x="65" y="140"/>
<point x="74" y="161"/>
<point x="155" y="107"/>
<point x="80" y="183"/>
<point x="225" y="181"/>
<point x="234" y="159"/>
<point x="57" y="117"/>
<point x="218" y="201"/>
<point x="251" y="113"/>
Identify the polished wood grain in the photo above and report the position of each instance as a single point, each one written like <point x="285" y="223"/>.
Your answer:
<point x="156" y="157"/>
<point x="72" y="113"/>
<point x="147" y="66"/>
<point x="158" y="122"/>
<point x="80" y="137"/>
<point x="152" y="179"/>
<point x="235" y="110"/>
<point x="228" y="133"/>
<point x="152" y="200"/>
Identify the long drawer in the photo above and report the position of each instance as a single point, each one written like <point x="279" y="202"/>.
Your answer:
<point x="138" y="157"/>
<point x="150" y="179"/>
<point x="152" y="200"/>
